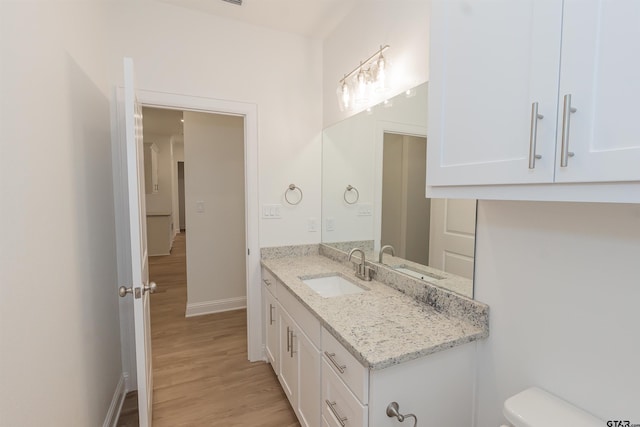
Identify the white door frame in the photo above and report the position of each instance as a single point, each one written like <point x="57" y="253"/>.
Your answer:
<point x="252" y="219"/>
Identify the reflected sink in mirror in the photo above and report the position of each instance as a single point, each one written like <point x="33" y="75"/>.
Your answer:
<point x="332" y="285"/>
<point x="418" y="274"/>
<point x="373" y="195"/>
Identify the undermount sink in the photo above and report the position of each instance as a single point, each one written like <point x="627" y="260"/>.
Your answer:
<point x="418" y="274"/>
<point x="332" y="285"/>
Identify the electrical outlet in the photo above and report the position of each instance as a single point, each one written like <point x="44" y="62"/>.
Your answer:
<point x="200" y="206"/>
<point x="312" y="225"/>
<point x="330" y="224"/>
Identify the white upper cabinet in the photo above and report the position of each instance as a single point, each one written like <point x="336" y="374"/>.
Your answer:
<point x="600" y="69"/>
<point x="501" y="72"/>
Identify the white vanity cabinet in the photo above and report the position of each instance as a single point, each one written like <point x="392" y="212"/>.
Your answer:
<point x="437" y="388"/>
<point x="292" y="342"/>
<point x="288" y="372"/>
<point x="505" y="77"/>
<point x="271" y="312"/>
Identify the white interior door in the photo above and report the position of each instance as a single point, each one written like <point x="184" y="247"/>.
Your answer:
<point x="452" y="236"/>
<point x="140" y="286"/>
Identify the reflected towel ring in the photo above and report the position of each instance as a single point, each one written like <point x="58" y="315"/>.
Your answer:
<point x="351" y="188"/>
<point x="292" y="187"/>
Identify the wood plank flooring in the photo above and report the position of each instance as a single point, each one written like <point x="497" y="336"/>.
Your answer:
<point x="200" y="370"/>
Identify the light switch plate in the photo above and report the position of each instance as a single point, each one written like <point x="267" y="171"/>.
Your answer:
<point x="365" y="209"/>
<point x="271" y="211"/>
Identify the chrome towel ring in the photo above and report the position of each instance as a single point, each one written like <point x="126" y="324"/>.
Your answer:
<point x="292" y="187"/>
<point x="349" y="189"/>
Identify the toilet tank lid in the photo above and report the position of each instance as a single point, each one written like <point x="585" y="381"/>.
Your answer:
<point x="535" y="407"/>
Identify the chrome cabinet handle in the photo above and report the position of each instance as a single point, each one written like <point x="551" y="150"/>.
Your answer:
<point x="288" y="339"/>
<point x="533" y="135"/>
<point x="292" y="351"/>
<point x="566" y="126"/>
<point x="332" y="405"/>
<point x="271" y="307"/>
<point x="331" y="357"/>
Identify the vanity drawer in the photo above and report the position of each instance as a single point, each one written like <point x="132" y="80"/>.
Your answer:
<point x="345" y="366"/>
<point x="269" y="281"/>
<point x="340" y="407"/>
<point x="303" y="317"/>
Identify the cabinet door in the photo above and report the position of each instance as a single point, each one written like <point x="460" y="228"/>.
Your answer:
<point x="271" y="329"/>
<point x="288" y="358"/>
<point x="600" y="70"/>
<point x="309" y="387"/>
<point x="490" y="61"/>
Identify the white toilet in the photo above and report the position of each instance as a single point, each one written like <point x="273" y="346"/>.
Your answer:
<point x="534" y="407"/>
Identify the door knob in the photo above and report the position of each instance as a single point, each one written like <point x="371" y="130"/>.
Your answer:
<point x="123" y="291"/>
<point x="151" y="288"/>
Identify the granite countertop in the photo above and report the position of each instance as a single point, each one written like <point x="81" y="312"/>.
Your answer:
<point x="380" y="327"/>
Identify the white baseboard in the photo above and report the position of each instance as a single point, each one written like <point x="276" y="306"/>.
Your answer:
<point x="111" y="420"/>
<point x="218" y="306"/>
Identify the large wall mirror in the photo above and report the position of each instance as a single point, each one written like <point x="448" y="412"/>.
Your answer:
<point x="373" y="195"/>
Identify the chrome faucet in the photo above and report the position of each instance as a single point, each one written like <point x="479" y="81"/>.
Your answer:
<point x="362" y="270"/>
<point x="384" y="248"/>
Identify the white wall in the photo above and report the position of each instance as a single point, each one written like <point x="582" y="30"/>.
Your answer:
<point x="402" y="24"/>
<point x="177" y="50"/>
<point x="59" y="336"/>
<point x="216" y="243"/>
<point x="563" y="284"/>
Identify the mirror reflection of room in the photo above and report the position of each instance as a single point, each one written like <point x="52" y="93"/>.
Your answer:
<point x="405" y="210"/>
<point x="381" y="152"/>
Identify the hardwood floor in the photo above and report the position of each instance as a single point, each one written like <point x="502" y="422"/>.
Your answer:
<point x="200" y="370"/>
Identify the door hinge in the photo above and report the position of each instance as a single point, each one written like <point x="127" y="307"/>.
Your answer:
<point x="248" y="251"/>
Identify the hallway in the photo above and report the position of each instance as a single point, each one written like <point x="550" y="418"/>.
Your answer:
<point x="201" y="374"/>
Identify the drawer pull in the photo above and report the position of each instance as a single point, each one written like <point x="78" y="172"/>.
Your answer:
<point x="292" y="351"/>
<point x="331" y="357"/>
<point x="271" y="307"/>
<point x="288" y="339"/>
<point x="332" y="405"/>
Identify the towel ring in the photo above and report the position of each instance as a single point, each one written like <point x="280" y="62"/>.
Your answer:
<point x="351" y="188"/>
<point x="292" y="187"/>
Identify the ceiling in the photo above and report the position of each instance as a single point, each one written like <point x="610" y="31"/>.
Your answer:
<point x="309" y="18"/>
<point x="159" y="121"/>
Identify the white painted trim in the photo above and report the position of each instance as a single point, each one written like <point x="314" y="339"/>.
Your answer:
<point x="111" y="420"/>
<point x="382" y="127"/>
<point x="218" y="306"/>
<point x="252" y="217"/>
<point x="601" y="192"/>
<point x="121" y="204"/>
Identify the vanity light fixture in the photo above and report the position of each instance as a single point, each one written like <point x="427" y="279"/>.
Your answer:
<point x="360" y="85"/>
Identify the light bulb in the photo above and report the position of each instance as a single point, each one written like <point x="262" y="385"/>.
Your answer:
<point x="346" y="95"/>
<point x="381" y="73"/>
